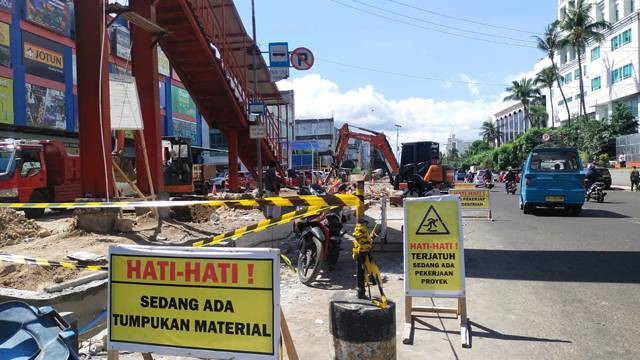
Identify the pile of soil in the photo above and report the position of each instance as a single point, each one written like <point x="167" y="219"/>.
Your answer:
<point x="194" y="214"/>
<point x="14" y="228"/>
<point x="30" y="277"/>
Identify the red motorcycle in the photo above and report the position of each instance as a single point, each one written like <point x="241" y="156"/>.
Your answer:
<point x="319" y="242"/>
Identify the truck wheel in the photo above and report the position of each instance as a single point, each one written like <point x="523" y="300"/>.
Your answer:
<point x="36" y="197"/>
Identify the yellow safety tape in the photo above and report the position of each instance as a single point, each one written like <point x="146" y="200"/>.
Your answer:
<point x="305" y="200"/>
<point x="25" y="260"/>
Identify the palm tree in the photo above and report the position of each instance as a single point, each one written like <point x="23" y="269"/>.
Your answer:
<point x="538" y="115"/>
<point x="523" y="91"/>
<point x="580" y="29"/>
<point x="547" y="77"/>
<point x="549" y="43"/>
<point x="488" y="132"/>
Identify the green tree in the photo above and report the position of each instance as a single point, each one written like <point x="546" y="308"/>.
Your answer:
<point x="549" y="43"/>
<point x="477" y="147"/>
<point x="523" y="91"/>
<point x="547" y="77"/>
<point x="580" y="29"/>
<point x="490" y="133"/>
<point x="622" y="120"/>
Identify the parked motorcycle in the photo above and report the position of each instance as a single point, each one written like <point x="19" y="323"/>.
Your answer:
<point x="511" y="187"/>
<point x="596" y="191"/>
<point x="319" y="242"/>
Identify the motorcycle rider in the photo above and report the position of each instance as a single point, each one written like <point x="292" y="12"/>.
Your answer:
<point x="591" y="177"/>
<point x="487" y="177"/>
<point x="509" y="178"/>
<point x="635" y="179"/>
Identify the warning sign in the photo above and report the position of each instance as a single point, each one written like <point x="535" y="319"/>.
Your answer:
<point x="433" y="251"/>
<point x="200" y="302"/>
<point x="460" y="185"/>
<point x="432" y="224"/>
<point x="472" y="199"/>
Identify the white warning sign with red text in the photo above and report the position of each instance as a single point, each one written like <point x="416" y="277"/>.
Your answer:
<point x="200" y="302"/>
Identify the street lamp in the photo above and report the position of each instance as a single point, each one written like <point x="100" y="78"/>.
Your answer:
<point x="398" y="126"/>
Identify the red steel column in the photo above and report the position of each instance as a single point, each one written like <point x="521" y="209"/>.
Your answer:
<point x="144" y="65"/>
<point x="95" y="155"/>
<point x="232" y="140"/>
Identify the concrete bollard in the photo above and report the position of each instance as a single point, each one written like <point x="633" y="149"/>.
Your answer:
<point x="362" y="330"/>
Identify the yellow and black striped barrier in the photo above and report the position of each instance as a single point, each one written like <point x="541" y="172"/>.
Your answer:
<point x="305" y="200"/>
<point x="264" y="225"/>
<point x="25" y="260"/>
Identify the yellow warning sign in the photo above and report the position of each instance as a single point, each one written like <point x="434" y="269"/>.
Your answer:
<point x="433" y="250"/>
<point x="472" y="199"/>
<point x="460" y="185"/>
<point x="202" y="302"/>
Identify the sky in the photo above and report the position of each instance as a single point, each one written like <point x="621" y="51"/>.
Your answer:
<point x="433" y="67"/>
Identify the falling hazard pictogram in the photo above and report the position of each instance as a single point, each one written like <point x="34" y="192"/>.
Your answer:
<point x="432" y="224"/>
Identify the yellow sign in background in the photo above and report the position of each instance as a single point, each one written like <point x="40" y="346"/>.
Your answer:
<point x="186" y="304"/>
<point x="460" y="185"/>
<point x="472" y="199"/>
<point x="433" y="248"/>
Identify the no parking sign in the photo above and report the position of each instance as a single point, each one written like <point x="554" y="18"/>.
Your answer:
<point x="302" y="58"/>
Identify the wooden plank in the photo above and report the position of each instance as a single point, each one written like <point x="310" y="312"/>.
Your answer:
<point x="407" y="334"/>
<point x="113" y="355"/>
<point x="286" y="337"/>
<point x="431" y="309"/>
<point x="147" y="356"/>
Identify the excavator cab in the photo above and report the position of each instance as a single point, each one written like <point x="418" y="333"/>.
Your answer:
<point x="177" y="165"/>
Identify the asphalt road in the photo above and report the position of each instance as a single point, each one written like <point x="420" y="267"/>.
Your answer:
<point x="549" y="286"/>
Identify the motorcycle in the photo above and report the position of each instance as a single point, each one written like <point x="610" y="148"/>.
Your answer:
<point x="596" y="191"/>
<point x="319" y="243"/>
<point x="511" y="187"/>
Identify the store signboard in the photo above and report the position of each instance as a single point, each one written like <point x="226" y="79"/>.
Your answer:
<point x="164" y="67"/>
<point x="6" y="101"/>
<point x="45" y="107"/>
<point x="43" y="57"/>
<point x="5" y="45"/>
<point x="181" y="102"/>
<point x="185" y="129"/>
<point x="55" y="15"/>
<point x="121" y="42"/>
<point x="6" y="5"/>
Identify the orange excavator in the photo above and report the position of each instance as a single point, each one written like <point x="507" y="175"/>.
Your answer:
<point x="375" y="138"/>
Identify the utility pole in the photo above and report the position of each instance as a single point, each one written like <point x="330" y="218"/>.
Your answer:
<point x="398" y="126"/>
<point x="255" y="97"/>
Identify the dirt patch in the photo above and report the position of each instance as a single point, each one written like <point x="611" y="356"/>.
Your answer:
<point x="14" y="228"/>
<point x="28" y="277"/>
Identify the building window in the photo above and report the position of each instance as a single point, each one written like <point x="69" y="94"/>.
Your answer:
<point x="576" y="74"/>
<point x="569" y="99"/>
<point x="616" y="76"/>
<point x="627" y="71"/>
<point x="595" y="53"/>
<point x="595" y="84"/>
<point x="617" y="12"/>
<point x="626" y="37"/>
<point x="567" y="78"/>
<point x="561" y="102"/>
<point x="632" y="5"/>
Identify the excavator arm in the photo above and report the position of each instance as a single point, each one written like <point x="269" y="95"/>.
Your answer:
<point x="377" y="139"/>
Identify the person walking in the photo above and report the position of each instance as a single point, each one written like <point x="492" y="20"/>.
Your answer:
<point x="635" y="179"/>
<point x="622" y="159"/>
<point x="272" y="187"/>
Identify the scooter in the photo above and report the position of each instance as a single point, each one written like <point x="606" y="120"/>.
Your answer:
<point x="511" y="187"/>
<point x="596" y="191"/>
<point x="319" y="242"/>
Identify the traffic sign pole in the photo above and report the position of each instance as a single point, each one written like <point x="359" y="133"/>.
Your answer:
<point x="255" y="95"/>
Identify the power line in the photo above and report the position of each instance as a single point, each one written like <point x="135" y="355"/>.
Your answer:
<point x="442" y="25"/>
<point x="411" y="76"/>
<point x="430" y="29"/>
<point x="462" y="19"/>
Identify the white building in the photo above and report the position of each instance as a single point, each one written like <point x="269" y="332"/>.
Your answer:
<point x="610" y="69"/>
<point x="454" y="143"/>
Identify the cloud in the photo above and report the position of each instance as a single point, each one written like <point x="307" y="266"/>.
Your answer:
<point x="421" y="118"/>
<point x="447" y="84"/>
<point x="472" y="85"/>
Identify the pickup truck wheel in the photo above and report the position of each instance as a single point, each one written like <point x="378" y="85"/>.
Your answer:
<point x="36" y="197"/>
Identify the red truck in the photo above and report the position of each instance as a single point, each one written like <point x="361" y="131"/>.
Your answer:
<point x="38" y="171"/>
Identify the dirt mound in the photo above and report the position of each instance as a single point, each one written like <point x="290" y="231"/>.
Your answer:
<point x="14" y="228"/>
<point x="29" y="277"/>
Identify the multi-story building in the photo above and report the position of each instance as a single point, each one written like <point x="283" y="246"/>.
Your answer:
<point x="609" y="69"/>
<point x="511" y="122"/>
<point x="461" y="146"/>
<point x="316" y="139"/>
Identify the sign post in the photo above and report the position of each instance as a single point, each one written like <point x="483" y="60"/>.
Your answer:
<point x="474" y="200"/>
<point x="198" y="302"/>
<point x="434" y="259"/>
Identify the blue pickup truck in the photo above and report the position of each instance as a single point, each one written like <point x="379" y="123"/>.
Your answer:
<point x="552" y="177"/>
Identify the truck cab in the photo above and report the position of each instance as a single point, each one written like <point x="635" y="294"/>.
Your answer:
<point x="37" y="172"/>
